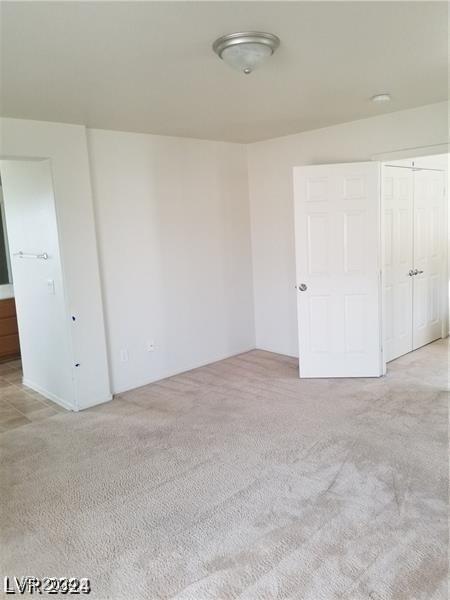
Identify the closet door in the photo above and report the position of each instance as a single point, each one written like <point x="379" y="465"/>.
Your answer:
<point x="429" y="256"/>
<point x="398" y="260"/>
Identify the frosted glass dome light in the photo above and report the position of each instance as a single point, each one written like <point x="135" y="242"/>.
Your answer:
<point x="245" y="51"/>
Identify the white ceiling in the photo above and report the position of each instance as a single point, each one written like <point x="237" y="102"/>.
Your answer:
<point x="149" y="67"/>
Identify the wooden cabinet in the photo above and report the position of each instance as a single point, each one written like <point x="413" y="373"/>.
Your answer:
<point x="9" y="334"/>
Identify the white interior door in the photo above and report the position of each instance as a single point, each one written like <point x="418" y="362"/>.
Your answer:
<point x="429" y="256"/>
<point x="38" y="284"/>
<point x="337" y="233"/>
<point x="398" y="260"/>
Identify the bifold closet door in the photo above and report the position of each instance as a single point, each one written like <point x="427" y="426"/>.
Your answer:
<point x="429" y="256"/>
<point x="413" y="258"/>
<point x="398" y="197"/>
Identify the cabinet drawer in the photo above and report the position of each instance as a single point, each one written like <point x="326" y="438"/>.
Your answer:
<point x="8" y="326"/>
<point x="7" y="308"/>
<point x="9" y="345"/>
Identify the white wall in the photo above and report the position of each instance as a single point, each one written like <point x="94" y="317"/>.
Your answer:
<point x="270" y="166"/>
<point x="65" y="146"/>
<point x="41" y="308"/>
<point x="174" y="241"/>
<point x="173" y="231"/>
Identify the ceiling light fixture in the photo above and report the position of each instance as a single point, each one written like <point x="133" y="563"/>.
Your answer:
<point x="246" y="50"/>
<point x="380" y="98"/>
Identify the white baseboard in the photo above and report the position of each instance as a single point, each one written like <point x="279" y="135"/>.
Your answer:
<point x="60" y="401"/>
<point x="185" y="369"/>
<point x="96" y="403"/>
<point x="47" y="394"/>
<point x="275" y="351"/>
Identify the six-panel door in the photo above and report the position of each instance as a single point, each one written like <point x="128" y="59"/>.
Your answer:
<point x="337" y="232"/>
<point x="414" y="258"/>
<point x="398" y="260"/>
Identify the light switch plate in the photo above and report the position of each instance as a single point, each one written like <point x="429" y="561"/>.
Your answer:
<point x="51" y="287"/>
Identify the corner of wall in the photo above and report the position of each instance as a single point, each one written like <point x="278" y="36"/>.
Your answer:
<point x="249" y="208"/>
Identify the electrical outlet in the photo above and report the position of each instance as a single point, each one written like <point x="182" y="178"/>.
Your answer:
<point x="124" y="355"/>
<point x="150" y="346"/>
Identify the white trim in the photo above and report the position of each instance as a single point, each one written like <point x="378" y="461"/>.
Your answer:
<point x="60" y="401"/>
<point x="382" y="272"/>
<point x="392" y="165"/>
<point x="193" y="367"/>
<point x="412" y="152"/>
<point x="47" y="394"/>
<point x="445" y="317"/>
<point x="444" y="300"/>
<point x="92" y="404"/>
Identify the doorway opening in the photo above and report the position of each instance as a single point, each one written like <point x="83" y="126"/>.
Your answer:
<point x="40" y="384"/>
<point x="371" y="261"/>
<point x="415" y="253"/>
<point x="9" y="333"/>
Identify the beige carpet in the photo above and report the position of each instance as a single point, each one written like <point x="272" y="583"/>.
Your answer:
<point x="238" y="480"/>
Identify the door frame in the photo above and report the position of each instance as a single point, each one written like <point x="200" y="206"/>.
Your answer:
<point x="394" y="159"/>
<point x="388" y="158"/>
